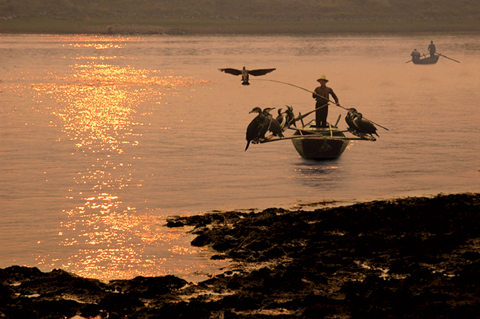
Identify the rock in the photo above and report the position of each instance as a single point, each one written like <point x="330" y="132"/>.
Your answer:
<point x="403" y="258"/>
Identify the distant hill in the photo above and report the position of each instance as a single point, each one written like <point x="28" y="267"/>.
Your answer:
<point x="100" y="13"/>
<point x="266" y="10"/>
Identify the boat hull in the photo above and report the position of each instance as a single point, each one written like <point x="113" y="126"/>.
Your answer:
<point x="319" y="148"/>
<point x="319" y="144"/>
<point x="429" y="60"/>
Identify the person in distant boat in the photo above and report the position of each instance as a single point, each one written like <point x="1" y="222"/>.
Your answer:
<point x="415" y="55"/>
<point x="431" y="49"/>
<point x="321" y="94"/>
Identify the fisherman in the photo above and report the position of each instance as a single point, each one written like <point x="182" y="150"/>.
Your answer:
<point x="415" y="55"/>
<point x="321" y="95"/>
<point x="431" y="49"/>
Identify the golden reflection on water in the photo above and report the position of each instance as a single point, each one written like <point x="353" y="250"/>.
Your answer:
<point x="97" y="106"/>
<point x="97" y="46"/>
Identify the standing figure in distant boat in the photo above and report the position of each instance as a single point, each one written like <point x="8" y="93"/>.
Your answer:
<point x="431" y="49"/>
<point x="415" y="55"/>
<point x="321" y="95"/>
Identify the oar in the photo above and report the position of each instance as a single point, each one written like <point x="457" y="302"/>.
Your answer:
<point x="312" y="132"/>
<point x="408" y="61"/>
<point x="449" y="58"/>
<point x="320" y="96"/>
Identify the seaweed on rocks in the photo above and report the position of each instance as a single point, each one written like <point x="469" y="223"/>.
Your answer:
<point x="414" y="257"/>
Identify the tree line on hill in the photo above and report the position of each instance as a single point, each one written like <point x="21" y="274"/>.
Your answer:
<point x="250" y="10"/>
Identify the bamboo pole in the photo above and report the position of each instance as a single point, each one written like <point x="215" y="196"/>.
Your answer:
<point x="319" y="137"/>
<point x="320" y="96"/>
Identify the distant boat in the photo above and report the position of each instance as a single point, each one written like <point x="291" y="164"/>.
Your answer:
<point x="426" y="60"/>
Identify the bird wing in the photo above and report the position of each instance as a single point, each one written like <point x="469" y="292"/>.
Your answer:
<point x="364" y="126"/>
<point x="231" y="71"/>
<point x="264" y="126"/>
<point x="276" y="128"/>
<point x="260" y="71"/>
<point x="255" y="126"/>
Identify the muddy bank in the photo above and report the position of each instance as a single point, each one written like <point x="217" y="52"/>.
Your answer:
<point x="412" y="257"/>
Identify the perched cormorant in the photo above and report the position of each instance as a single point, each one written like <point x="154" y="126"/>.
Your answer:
<point x="282" y="118"/>
<point x="290" y="116"/>
<point x="285" y="119"/>
<point x="255" y="126"/>
<point x="272" y="124"/>
<point x="261" y="124"/>
<point x="351" y="115"/>
<point x="244" y="72"/>
<point x="363" y="126"/>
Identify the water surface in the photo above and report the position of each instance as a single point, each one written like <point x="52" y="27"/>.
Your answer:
<point x="103" y="137"/>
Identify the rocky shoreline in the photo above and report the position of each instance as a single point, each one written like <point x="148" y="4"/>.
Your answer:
<point x="407" y="258"/>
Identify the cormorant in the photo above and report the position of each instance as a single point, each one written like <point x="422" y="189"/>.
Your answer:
<point x="272" y="124"/>
<point x="363" y="126"/>
<point x="285" y="119"/>
<point x="244" y="72"/>
<point x="255" y="126"/>
<point x="351" y="115"/>
<point x="282" y="118"/>
<point x="261" y="124"/>
<point x="290" y="116"/>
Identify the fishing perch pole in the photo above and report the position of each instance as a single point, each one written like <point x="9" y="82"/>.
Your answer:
<point x="300" y="117"/>
<point x="299" y="87"/>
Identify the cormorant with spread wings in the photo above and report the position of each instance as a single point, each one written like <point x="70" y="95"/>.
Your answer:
<point x="245" y="73"/>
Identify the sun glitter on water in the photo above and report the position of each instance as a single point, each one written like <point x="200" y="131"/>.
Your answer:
<point x="97" y="107"/>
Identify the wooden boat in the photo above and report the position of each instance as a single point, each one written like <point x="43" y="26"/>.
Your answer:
<point x="426" y="60"/>
<point x="317" y="143"/>
<point x="320" y="143"/>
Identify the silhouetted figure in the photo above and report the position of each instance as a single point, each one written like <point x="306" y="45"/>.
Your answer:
<point x="321" y="95"/>
<point x="431" y="49"/>
<point x="415" y="55"/>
